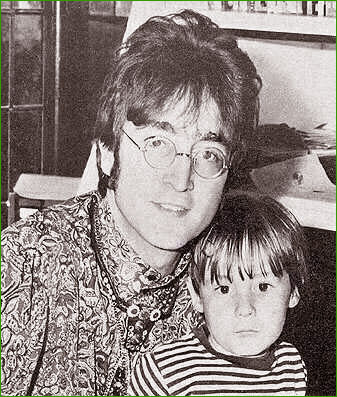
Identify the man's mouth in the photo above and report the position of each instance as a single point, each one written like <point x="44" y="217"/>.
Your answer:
<point x="177" y="210"/>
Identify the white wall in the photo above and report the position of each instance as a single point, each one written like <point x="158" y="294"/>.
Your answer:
<point x="299" y="78"/>
<point x="299" y="82"/>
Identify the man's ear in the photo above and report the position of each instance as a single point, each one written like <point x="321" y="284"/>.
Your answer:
<point x="107" y="158"/>
<point x="196" y="301"/>
<point x="294" y="298"/>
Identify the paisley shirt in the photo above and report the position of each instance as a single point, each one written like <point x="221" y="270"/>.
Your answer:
<point x="62" y="331"/>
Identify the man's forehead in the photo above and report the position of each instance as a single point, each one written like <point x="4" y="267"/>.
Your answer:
<point x="179" y="116"/>
<point x="207" y="132"/>
<point x="183" y="110"/>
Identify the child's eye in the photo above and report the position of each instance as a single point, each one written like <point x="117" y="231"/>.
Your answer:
<point x="263" y="287"/>
<point x="223" y="289"/>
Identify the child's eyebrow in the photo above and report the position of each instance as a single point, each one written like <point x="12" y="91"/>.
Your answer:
<point x="223" y="279"/>
<point x="269" y="275"/>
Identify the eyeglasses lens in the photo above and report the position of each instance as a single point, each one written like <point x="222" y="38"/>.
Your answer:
<point x="208" y="162"/>
<point x="159" y="153"/>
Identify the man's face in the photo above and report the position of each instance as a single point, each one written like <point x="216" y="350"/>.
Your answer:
<point x="245" y="316"/>
<point x="165" y="208"/>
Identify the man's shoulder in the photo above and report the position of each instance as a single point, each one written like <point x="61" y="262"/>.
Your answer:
<point x="52" y="223"/>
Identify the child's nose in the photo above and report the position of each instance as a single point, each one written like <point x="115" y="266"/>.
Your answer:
<point x="244" y="305"/>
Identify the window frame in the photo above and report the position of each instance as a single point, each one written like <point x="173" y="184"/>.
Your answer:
<point x="46" y="107"/>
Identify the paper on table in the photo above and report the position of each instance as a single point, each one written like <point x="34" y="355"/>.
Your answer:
<point x="303" y="174"/>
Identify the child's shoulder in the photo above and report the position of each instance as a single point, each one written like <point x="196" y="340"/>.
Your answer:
<point x="286" y="346"/>
<point x="286" y="350"/>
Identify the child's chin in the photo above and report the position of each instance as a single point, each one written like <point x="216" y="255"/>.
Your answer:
<point x="246" y="350"/>
<point x="248" y="353"/>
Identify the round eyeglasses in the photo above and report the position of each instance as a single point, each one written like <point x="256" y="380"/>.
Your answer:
<point x="209" y="159"/>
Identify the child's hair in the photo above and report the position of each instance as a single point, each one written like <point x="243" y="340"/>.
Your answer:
<point x="251" y="232"/>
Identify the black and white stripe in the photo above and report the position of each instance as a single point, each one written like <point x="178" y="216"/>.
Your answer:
<point x="186" y="368"/>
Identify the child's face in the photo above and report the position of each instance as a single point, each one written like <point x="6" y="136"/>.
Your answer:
<point x="244" y="317"/>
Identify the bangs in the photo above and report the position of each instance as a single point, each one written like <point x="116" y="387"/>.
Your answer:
<point x="144" y="108"/>
<point x="249" y="255"/>
<point x="167" y="77"/>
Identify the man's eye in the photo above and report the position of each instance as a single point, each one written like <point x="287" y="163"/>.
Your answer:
<point x="210" y="156"/>
<point x="223" y="289"/>
<point x="263" y="287"/>
<point x="156" y="143"/>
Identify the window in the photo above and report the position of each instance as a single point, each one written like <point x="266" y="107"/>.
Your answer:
<point x="110" y="8"/>
<point x="55" y="56"/>
<point x="27" y="94"/>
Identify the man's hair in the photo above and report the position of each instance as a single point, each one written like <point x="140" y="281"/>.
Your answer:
<point x="249" y="233"/>
<point x="172" y="57"/>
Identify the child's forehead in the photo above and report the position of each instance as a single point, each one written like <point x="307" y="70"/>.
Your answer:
<point x="252" y="269"/>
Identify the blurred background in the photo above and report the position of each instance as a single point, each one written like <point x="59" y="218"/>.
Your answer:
<point x="54" y="60"/>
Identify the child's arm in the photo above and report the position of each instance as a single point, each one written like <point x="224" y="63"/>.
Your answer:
<point x="146" y="378"/>
<point x="305" y="379"/>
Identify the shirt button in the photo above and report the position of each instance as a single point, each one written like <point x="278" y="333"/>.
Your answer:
<point x="151" y="277"/>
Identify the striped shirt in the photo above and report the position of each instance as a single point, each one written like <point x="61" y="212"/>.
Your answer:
<point x="187" y="368"/>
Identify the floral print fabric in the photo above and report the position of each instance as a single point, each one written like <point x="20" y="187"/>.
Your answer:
<point x="61" y="333"/>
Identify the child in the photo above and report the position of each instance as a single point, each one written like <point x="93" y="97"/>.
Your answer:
<point x="247" y="270"/>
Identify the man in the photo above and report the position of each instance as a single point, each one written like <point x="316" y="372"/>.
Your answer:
<point x="90" y="284"/>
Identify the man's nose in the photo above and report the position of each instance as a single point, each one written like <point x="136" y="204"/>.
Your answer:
<point x="180" y="173"/>
<point x="244" y="306"/>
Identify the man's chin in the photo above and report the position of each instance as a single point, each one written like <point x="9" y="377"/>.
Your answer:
<point x="169" y="245"/>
